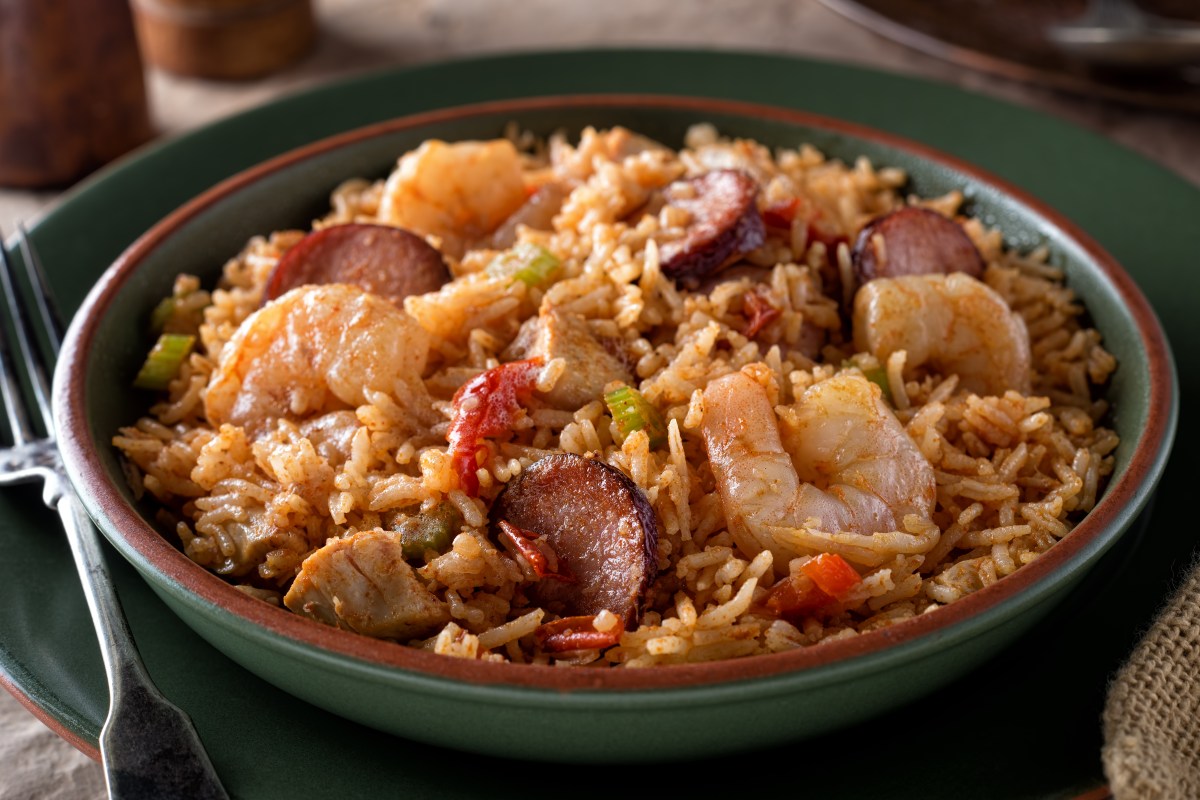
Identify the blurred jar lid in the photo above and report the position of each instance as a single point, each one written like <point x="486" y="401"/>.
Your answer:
<point x="224" y="39"/>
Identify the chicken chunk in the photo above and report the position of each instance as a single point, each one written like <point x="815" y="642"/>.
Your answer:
<point x="235" y="547"/>
<point x="362" y="583"/>
<point x="331" y="435"/>
<point x="590" y="366"/>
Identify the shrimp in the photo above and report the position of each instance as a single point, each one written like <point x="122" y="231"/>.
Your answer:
<point x="456" y="192"/>
<point x="954" y="323"/>
<point x="314" y="350"/>
<point x="837" y="460"/>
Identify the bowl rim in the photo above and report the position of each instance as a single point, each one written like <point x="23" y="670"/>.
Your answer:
<point x="150" y="551"/>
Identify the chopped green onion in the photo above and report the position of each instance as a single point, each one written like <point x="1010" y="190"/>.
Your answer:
<point x="633" y="412"/>
<point x="162" y="313"/>
<point x="429" y="530"/>
<point x="164" y="361"/>
<point x="528" y="263"/>
<point x="878" y="376"/>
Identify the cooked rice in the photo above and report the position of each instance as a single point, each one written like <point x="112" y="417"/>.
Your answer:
<point x="1014" y="474"/>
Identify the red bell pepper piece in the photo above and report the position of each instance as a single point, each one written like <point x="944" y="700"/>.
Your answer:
<point x="537" y="553"/>
<point x="486" y="406"/>
<point x="780" y="213"/>
<point x="822" y="583"/>
<point x="819" y="231"/>
<point x="832" y="574"/>
<point x="759" y="310"/>
<point x="575" y="633"/>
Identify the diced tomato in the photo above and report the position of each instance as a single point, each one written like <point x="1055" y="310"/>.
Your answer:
<point x="821" y="585"/>
<point x="779" y="214"/>
<point x="819" y="233"/>
<point x="832" y="574"/>
<point x="759" y="310"/>
<point x="487" y="406"/>
<point x="535" y="550"/>
<point x="796" y="597"/>
<point x="575" y="633"/>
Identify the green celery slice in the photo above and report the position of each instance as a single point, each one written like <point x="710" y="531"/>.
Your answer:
<point x="633" y="412"/>
<point x="162" y="313"/>
<point x="430" y="530"/>
<point x="164" y="361"/>
<point x="531" y="264"/>
<point x="878" y="376"/>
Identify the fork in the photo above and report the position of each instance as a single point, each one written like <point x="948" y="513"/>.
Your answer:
<point x="148" y="746"/>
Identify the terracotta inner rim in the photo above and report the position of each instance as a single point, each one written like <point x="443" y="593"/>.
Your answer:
<point x="90" y="477"/>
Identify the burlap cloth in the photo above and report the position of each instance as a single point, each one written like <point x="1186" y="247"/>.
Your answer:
<point x="1152" y="716"/>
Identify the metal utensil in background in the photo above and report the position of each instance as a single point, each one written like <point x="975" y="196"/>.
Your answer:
<point x="149" y="747"/>
<point x="1117" y="35"/>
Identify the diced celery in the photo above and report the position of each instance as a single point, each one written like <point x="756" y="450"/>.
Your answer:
<point x="633" y="412"/>
<point x="528" y="263"/>
<point x="162" y="313"/>
<point x="878" y="376"/>
<point x="430" y="530"/>
<point x="164" y="361"/>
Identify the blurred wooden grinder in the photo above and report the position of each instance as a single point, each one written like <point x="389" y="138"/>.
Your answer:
<point x="224" y="39"/>
<point x="71" y="91"/>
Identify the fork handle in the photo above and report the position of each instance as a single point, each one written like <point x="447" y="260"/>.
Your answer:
<point x="148" y="746"/>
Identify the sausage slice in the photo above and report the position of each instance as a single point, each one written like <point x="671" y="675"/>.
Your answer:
<point x="599" y="526"/>
<point x="383" y="260"/>
<point x="725" y="223"/>
<point x="916" y="241"/>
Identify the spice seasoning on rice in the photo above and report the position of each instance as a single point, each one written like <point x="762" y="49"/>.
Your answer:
<point x="783" y="410"/>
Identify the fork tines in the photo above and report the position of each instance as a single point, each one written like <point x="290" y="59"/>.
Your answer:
<point x="38" y="284"/>
<point x="28" y="333"/>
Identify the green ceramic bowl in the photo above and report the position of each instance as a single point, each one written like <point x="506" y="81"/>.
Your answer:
<point x="587" y="714"/>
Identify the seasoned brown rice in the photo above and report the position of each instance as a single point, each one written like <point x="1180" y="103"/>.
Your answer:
<point x="1013" y="473"/>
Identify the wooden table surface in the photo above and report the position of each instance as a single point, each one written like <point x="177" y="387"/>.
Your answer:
<point x="358" y="35"/>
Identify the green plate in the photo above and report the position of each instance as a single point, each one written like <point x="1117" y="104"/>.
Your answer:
<point x="1024" y="725"/>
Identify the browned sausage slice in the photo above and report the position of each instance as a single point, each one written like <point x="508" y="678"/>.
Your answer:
<point x="600" y="527"/>
<point x="916" y="241"/>
<point x="387" y="261"/>
<point x="725" y="223"/>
